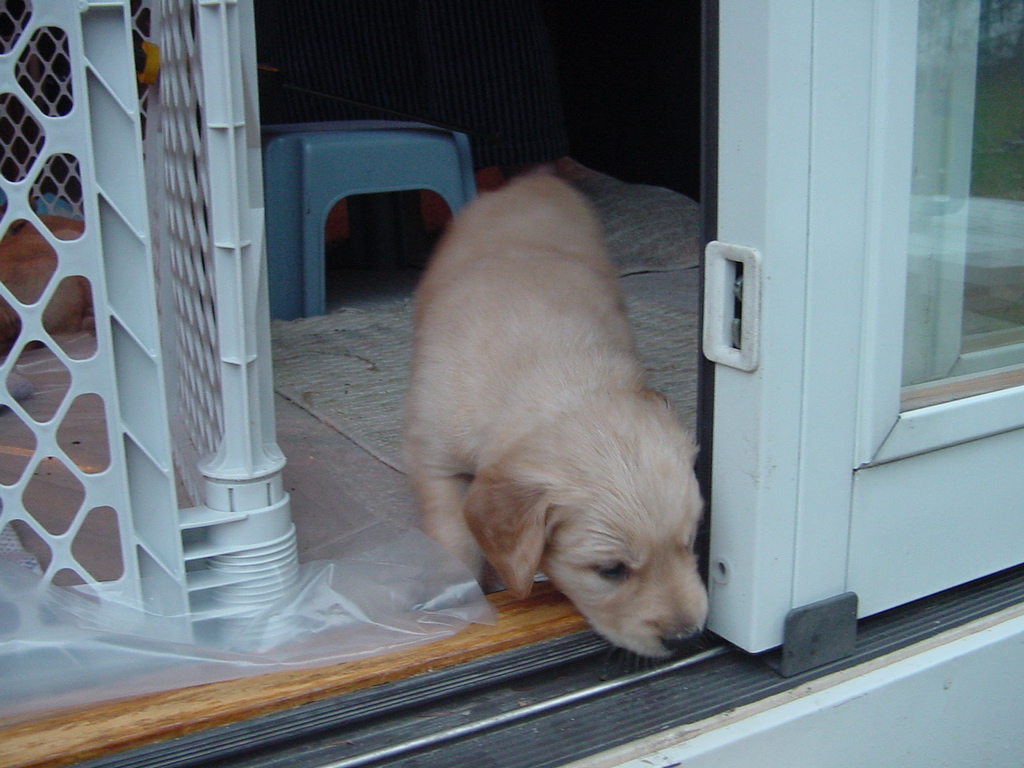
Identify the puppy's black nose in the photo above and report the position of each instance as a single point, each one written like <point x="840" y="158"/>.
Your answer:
<point x="680" y="642"/>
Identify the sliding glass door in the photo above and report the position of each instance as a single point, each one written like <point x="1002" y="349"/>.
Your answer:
<point x="871" y="168"/>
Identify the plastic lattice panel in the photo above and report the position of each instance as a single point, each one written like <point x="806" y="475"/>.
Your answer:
<point x="44" y="71"/>
<point x="21" y="138"/>
<point x="13" y="18"/>
<point x="46" y="319"/>
<point x="186" y="237"/>
<point x="87" y="460"/>
<point x="84" y="495"/>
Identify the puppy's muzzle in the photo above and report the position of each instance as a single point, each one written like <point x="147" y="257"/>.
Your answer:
<point x="679" y="642"/>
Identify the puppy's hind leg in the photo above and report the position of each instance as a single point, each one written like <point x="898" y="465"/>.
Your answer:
<point x="441" y="498"/>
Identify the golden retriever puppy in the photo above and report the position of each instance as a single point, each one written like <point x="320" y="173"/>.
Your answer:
<point x="27" y="263"/>
<point x="531" y="437"/>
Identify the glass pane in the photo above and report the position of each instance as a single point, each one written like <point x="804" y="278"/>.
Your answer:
<point x="965" y="290"/>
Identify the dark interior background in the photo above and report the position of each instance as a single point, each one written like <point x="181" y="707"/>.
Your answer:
<point x="630" y="77"/>
<point x="623" y="76"/>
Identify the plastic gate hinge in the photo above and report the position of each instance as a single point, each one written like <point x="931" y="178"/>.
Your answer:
<point x="817" y="634"/>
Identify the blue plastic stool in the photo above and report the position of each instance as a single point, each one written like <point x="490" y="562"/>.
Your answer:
<point x="308" y="168"/>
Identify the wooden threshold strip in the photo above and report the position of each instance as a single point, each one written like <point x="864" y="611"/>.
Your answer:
<point x="70" y="736"/>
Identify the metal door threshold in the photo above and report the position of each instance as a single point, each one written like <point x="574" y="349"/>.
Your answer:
<point x="545" y="705"/>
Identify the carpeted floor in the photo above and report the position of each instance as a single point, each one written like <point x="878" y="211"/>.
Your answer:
<point x="349" y="368"/>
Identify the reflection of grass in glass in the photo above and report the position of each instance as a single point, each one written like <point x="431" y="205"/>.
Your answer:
<point x="998" y="161"/>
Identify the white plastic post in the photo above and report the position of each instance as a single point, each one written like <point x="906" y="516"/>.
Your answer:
<point x="243" y="490"/>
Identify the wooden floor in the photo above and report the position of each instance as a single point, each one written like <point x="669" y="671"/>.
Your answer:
<point x="63" y="738"/>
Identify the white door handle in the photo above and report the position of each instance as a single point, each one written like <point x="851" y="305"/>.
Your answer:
<point x="732" y="305"/>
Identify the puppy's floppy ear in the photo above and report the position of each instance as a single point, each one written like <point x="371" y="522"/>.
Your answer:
<point x="508" y="518"/>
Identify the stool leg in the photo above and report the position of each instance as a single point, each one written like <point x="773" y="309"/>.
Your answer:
<point x="313" y="257"/>
<point x="283" y="201"/>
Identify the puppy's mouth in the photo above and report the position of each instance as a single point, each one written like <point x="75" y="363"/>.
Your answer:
<point x="654" y="645"/>
<point x="655" y="628"/>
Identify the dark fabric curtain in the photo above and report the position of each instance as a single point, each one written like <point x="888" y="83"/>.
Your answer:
<point x="484" y="67"/>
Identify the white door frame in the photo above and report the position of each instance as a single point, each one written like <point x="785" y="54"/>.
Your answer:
<point x="815" y="148"/>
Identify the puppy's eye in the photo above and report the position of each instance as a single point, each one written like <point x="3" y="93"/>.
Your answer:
<point x="614" y="572"/>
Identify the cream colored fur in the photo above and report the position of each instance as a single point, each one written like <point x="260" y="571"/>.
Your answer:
<point x="532" y="439"/>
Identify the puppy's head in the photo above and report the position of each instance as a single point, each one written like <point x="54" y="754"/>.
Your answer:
<point x="606" y="503"/>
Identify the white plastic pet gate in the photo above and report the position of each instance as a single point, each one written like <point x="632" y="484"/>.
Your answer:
<point x="139" y="458"/>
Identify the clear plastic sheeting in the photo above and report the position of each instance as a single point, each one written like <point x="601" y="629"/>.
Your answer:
<point x="76" y="638"/>
<point x="386" y="591"/>
<point x="380" y="586"/>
